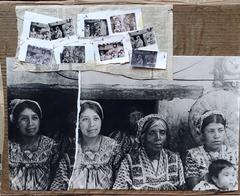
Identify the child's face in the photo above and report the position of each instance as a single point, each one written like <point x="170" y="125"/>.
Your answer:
<point x="226" y="178"/>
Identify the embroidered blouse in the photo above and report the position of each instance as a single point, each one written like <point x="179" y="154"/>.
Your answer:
<point x="198" y="160"/>
<point x="138" y="172"/>
<point x="95" y="170"/>
<point x="32" y="170"/>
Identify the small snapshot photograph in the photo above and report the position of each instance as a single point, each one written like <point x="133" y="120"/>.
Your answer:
<point x="123" y="23"/>
<point x="39" y="31"/>
<point x="143" y="58"/>
<point x="38" y="55"/>
<point x="95" y="28"/>
<point x="61" y="29"/>
<point x="142" y="38"/>
<point x="111" y="51"/>
<point x="73" y="54"/>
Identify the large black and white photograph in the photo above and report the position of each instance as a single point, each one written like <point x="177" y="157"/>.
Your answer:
<point x="142" y="38"/>
<point x="42" y="110"/>
<point x="38" y="55"/>
<point x="112" y="49"/>
<point x="95" y="28"/>
<point x="156" y="134"/>
<point x="134" y="135"/>
<point x="39" y="31"/>
<point x="62" y="29"/>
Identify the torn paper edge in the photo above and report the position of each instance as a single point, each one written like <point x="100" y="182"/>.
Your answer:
<point x="77" y="127"/>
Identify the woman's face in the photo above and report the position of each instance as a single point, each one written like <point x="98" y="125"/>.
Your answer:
<point x="155" y="137"/>
<point x="90" y="123"/>
<point x="214" y="135"/>
<point x="28" y="122"/>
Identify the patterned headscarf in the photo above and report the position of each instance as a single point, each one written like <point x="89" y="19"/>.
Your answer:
<point x="95" y="103"/>
<point x="144" y="120"/>
<point x="206" y="114"/>
<point x="17" y="102"/>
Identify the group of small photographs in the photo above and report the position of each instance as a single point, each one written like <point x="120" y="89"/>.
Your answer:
<point x="104" y="26"/>
<point x="104" y="23"/>
<point x="61" y="29"/>
<point x="38" y="55"/>
<point x="111" y="51"/>
<point x="95" y="28"/>
<point x="73" y="54"/>
<point x="142" y="38"/>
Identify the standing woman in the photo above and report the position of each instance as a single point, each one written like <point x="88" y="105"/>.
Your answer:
<point x="212" y="125"/>
<point x="97" y="156"/>
<point x="31" y="155"/>
<point x="152" y="166"/>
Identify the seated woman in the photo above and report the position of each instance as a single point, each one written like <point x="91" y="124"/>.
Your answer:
<point x="32" y="156"/>
<point x="151" y="166"/>
<point x="212" y="126"/>
<point x="97" y="156"/>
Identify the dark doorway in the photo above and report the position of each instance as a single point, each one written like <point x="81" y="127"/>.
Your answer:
<point x="116" y="112"/>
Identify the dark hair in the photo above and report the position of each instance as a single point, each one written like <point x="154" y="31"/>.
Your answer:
<point x="22" y="106"/>
<point x="150" y="122"/>
<point x="214" y="118"/>
<point x="217" y="166"/>
<point x="93" y="106"/>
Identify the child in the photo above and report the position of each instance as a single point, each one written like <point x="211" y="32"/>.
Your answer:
<point x="222" y="176"/>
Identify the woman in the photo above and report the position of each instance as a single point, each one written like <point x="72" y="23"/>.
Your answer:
<point x="212" y="126"/>
<point x="151" y="166"/>
<point x="97" y="156"/>
<point x="31" y="155"/>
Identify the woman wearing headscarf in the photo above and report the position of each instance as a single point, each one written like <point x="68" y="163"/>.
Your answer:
<point x="98" y="156"/>
<point x="152" y="166"/>
<point x="212" y="127"/>
<point x="32" y="156"/>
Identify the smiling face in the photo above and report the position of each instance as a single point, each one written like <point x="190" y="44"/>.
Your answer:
<point x="90" y="123"/>
<point x="155" y="137"/>
<point x="214" y="135"/>
<point x="226" y="179"/>
<point x="28" y="123"/>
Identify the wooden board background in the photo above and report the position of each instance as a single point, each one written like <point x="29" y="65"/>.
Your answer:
<point x="201" y="27"/>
